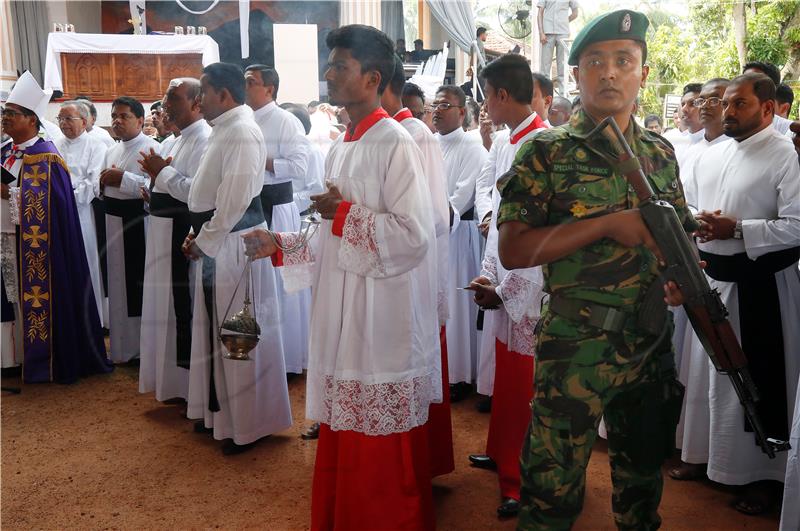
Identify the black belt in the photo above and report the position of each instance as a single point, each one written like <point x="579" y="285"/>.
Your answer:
<point x="254" y="215"/>
<point x="761" y="327"/>
<point x="99" y="211"/>
<point x="469" y="214"/>
<point x="274" y="195"/>
<point x="165" y="206"/>
<point x="133" y="240"/>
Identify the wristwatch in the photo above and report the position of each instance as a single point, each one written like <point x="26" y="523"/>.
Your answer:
<point x="737" y="230"/>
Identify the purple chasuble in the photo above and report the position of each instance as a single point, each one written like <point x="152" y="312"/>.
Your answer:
<point x="62" y="337"/>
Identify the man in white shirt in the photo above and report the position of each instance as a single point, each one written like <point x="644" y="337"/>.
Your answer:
<point x="747" y="192"/>
<point x="120" y="184"/>
<point x="85" y="156"/>
<point x="780" y="123"/>
<point x="463" y="159"/>
<point x="374" y="364"/>
<point x="690" y="118"/>
<point x="166" y="337"/>
<point x="240" y="402"/>
<point x="514" y="295"/>
<point x="304" y="186"/>
<point x="91" y="128"/>
<point x="553" y="21"/>
<point x="287" y="160"/>
<point x="439" y="422"/>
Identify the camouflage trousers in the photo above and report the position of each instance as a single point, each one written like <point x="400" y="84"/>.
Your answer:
<point x="583" y="374"/>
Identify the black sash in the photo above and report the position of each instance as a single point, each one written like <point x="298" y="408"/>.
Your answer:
<point x="273" y="195"/>
<point x="99" y="210"/>
<point x="469" y="215"/>
<point x="761" y="328"/>
<point x="165" y="206"/>
<point x="253" y="216"/>
<point x="133" y="240"/>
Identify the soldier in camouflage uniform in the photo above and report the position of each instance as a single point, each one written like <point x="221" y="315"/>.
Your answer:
<point x="567" y="206"/>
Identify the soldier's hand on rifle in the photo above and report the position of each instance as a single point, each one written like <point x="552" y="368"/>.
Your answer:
<point x="627" y="228"/>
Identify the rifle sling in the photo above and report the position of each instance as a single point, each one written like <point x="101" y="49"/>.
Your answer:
<point x="760" y="326"/>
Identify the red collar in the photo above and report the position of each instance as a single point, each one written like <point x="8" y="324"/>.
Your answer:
<point x="402" y="114"/>
<point x="537" y="123"/>
<point x="363" y="126"/>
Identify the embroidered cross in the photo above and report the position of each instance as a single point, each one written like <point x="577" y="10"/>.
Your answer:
<point x="34" y="236"/>
<point x="36" y="176"/>
<point x="37" y="296"/>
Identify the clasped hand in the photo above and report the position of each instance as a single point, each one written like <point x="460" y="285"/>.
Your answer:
<point x="714" y="226"/>
<point x="328" y="202"/>
<point x="152" y="163"/>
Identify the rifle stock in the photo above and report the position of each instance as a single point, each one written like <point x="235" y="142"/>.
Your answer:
<point x="707" y="313"/>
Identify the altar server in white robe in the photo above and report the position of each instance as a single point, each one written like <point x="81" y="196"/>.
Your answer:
<point x="463" y="159"/>
<point x="514" y="296"/>
<point x="692" y="365"/>
<point x="85" y="156"/>
<point x="120" y="183"/>
<point x="241" y="401"/>
<point x="287" y="160"/>
<point x="374" y="359"/>
<point x="439" y="422"/>
<point x="166" y="337"/>
<point x="747" y="194"/>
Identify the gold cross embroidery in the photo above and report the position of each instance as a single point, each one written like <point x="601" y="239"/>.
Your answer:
<point x="36" y="176"/>
<point x="34" y="235"/>
<point x="37" y="296"/>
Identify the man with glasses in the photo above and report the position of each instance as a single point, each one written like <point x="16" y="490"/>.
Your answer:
<point x="85" y="156"/>
<point x="690" y="118"/>
<point x="120" y="183"/>
<point x="50" y="296"/>
<point x="463" y="159"/>
<point x="692" y="365"/>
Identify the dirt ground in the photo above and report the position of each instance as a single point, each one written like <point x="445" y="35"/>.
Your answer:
<point x="98" y="455"/>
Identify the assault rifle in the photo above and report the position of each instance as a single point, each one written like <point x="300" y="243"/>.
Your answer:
<point x="703" y="305"/>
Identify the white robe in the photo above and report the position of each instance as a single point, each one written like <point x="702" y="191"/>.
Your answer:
<point x="289" y="150"/>
<point x="253" y="395"/>
<point x="312" y="184"/>
<point x="433" y="169"/>
<point x="374" y="354"/>
<point x="463" y="159"/>
<point x="521" y="289"/>
<point x="758" y="181"/>
<point x="790" y="515"/>
<point x="124" y="330"/>
<point x="158" y="369"/>
<point x="85" y="157"/>
<point x="692" y="365"/>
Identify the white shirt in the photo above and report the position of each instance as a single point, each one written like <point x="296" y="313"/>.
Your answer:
<point x="313" y="182"/>
<point x="85" y="157"/>
<point x="186" y="152"/>
<point x="103" y="135"/>
<point x="555" y="19"/>
<point x="286" y="143"/>
<point x="166" y="145"/>
<point x="687" y="168"/>
<point x="6" y="225"/>
<point x="374" y="357"/>
<point x="125" y="156"/>
<point x="230" y="175"/>
<point x="781" y="124"/>
<point x="464" y="157"/>
<point x="756" y="180"/>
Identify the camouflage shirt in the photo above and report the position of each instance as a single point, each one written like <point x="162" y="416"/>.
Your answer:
<point x="561" y="176"/>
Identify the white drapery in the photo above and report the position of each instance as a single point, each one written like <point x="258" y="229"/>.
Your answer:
<point x="457" y="19"/>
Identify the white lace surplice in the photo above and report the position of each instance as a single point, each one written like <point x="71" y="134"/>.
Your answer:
<point x="374" y="349"/>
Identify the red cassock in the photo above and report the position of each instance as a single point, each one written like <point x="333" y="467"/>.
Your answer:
<point x="440" y="427"/>
<point x="511" y="414"/>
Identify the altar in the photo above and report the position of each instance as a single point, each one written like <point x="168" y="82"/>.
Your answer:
<point x="104" y="66"/>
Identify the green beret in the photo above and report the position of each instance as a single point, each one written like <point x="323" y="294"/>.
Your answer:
<point x="617" y="25"/>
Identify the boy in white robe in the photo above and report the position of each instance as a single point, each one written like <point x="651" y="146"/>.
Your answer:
<point x="120" y="184"/>
<point x="241" y="401"/>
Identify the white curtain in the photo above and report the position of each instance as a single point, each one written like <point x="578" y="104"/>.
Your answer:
<point x="30" y="21"/>
<point x="392" y="19"/>
<point x="457" y="19"/>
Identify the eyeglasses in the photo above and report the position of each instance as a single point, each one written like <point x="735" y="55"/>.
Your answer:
<point x="711" y="102"/>
<point x="444" y="106"/>
<point x="60" y="119"/>
<point x="6" y="112"/>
